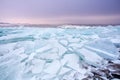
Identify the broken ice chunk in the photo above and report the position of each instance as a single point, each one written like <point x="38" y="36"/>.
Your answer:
<point x="31" y="56"/>
<point x="53" y="67"/>
<point x="90" y="57"/>
<point x="3" y="52"/>
<point x="37" y="66"/>
<point x="76" y="46"/>
<point x="63" y="42"/>
<point x="116" y="42"/>
<point x="103" y="48"/>
<point x="46" y="36"/>
<point x="44" y="49"/>
<point x="6" y="48"/>
<point x="56" y="44"/>
<point x="49" y="54"/>
<point x="64" y="70"/>
<point x="71" y="61"/>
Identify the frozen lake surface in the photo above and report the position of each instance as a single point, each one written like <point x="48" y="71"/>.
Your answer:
<point x="57" y="53"/>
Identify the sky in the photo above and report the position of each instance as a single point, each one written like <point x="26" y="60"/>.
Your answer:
<point x="60" y="11"/>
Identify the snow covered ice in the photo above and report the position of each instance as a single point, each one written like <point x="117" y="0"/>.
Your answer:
<point x="62" y="53"/>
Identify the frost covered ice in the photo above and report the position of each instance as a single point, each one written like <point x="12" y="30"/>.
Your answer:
<point x="63" y="53"/>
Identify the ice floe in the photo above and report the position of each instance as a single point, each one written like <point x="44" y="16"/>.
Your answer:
<point x="63" y="53"/>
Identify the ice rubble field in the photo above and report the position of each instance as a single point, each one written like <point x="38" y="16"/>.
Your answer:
<point x="56" y="53"/>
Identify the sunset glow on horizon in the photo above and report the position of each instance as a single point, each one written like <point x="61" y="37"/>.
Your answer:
<point x="60" y="11"/>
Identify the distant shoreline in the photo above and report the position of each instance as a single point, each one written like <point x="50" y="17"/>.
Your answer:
<point x="54" y="25"/>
